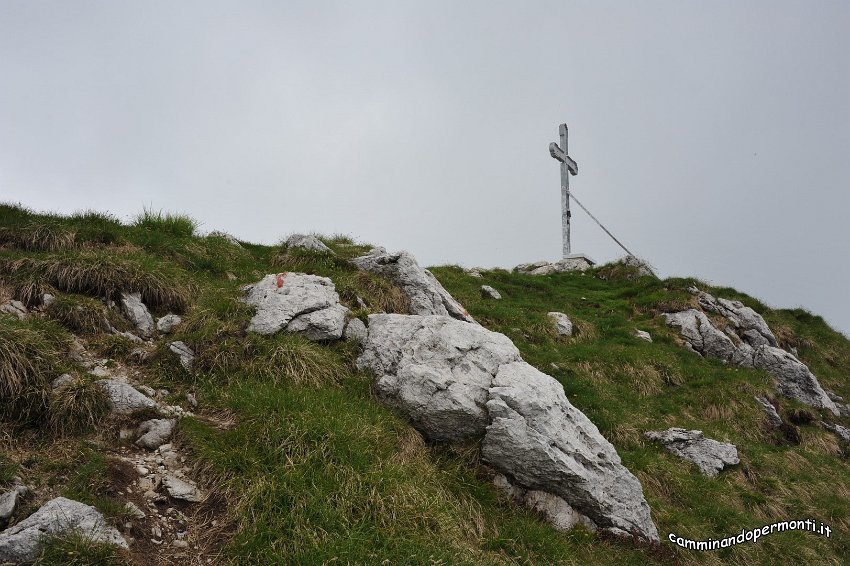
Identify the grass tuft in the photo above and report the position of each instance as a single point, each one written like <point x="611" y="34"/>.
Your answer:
<point x="30" y="358"/>
<point x="78" y="314"/>
<point x="178" y="225"/>
<point x="77" y="407"/>
<point x="38" y="236"/>
<point x="78" y="550"/>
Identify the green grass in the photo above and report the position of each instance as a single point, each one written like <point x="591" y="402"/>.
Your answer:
<point x="308" y="468"/>
<point x="77" y="550"/>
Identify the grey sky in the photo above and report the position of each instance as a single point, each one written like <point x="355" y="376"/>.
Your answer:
<point x="711" y="137"/>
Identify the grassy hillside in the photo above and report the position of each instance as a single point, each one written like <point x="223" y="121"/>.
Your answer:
<point x="305" y="467"/>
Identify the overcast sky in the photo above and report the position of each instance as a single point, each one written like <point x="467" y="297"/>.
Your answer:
<point x="713" y="138"/>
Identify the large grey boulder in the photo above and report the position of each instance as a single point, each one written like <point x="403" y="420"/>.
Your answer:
<point x="123" y="397"/>
<point x="748" y="324"/>
<point x="296" y="302"/>
<point x="709" y="455"/>
<point x="426" y="294"/>
<point x="306" y="242"/>
<point x="137" y="313"/>
<point x="21" y="544"/>
<point x="458" y="381"/>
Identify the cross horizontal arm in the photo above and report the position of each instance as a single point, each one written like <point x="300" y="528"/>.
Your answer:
<point x="556" y="152"/>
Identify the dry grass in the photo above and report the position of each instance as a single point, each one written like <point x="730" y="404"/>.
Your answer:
<point x="379" y="294"/>
<point x="101" y="275"/>
<point x="78" y="314"/>
<point x="38" y="236"/>
<point x="76" y="407"/>
<point x="29" y="360"/>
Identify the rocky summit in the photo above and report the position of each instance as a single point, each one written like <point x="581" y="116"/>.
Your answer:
<point x="169" y="397"/>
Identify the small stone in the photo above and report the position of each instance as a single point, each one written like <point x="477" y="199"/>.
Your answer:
<point x="490" y="293"/>
<point x="137" y="313"/>
<point x="230" y="276"/>
<point x="155" y="432"/>
<point x="167" y="323"/>
<point x="62" y="380"/>
<point x="179" y="489"/>
<point x="184" y="352"/>
<point x="563" y="324"/>
<point x="142" y="471"/>
<point x="643" y="335"/>
<point x="709" y="455"/>
<point x="190" y="397"/>
<point x="307" y="242"/>
<point x="16" y="308"/>
<point x="772" y="416"/>
<point x="180" y="544"/>
<point x="123" y="397"/>
<point x="134" y="510"/>
<point x="355" y="331"/>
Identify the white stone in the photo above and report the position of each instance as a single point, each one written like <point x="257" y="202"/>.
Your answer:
<point x="490" y="293"/>
<point x="643" y="335"/>
<point x="123" y="397"/>
<point x="554" y="509"/>
<point x="167" y="323"/>
<point x="16" y="308"/>
<point x="426" y="294"/>
<point x="769" y="410"/>
<point x="458" y="381"/>
<point x="137" y="313"/>
<point x="231" y="239"/>
<point x="184" y="352"/>
<point x="307" y="242"/>
<point x="155" y="432"/>
<point x="355" y="330"/>
<point x="179" y="489"/>
<point x="709" y="455"/>
<point x="307" y="304"/>
<point x="58" y="517"/>
<point x="563" y="324"/>
<point x="748" y="324"/>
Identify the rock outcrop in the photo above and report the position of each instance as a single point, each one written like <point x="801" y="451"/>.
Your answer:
<point x="572" y="263"/>
<point x="749" y="349"/>
<point x="458" y="381"/>
<point x="297" y="302"/>
<point x="709" y="455"/>
<point x="9" y="502"/>
<point x="307" y="242"/>
<point x="770" y="411"/>
<point x="137" y="313"/>
<point x="427" y="296"/>
<point x="643" y="335"/>
<point x="16" y="308"/>
<point x="554" y="509"/>
<point x="21" y="544"/>
<point x="563" y="324"/>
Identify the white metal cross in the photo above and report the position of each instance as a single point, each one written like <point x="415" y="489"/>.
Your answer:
<point x="568" y="167"/>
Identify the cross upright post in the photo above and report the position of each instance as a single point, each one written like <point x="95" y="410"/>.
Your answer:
<point x="568" y="167"/>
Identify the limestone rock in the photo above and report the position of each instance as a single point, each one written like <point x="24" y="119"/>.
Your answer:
<point x="167" y="323"/>
<point x="577" y="262"/>
<point x="184" y="352"/>
<point x="554" y="509"/>
<point x="563" y="324"/>
<point x="9" y="501"/>
<point x="179" y="489"/>
<point x="473" y="272"/>
<point x="16" y="308"/>
<point x="123" y="397"/>
<point x="21" y="543"/>
<point x="642" y="266"/>
<point x="137" y="313"/>
<point x="840" y="431"/>
<point x="794" y="380"/>
<point x="772" y="415"/>
<point x="709" y="455"/>
<point x="324" y="324"/>
<point x="155" y="432"/>
<point x="355" y="330"/>
<point x="425" y="293"/>
<point x="490" y="293"/>
<point x="458" y="381"/>
<point x="749" y="325"/>
<point x="643" y="335"/>
<point x="307" y="242"/>
<point x="62" y="381"/>
<point x="307" y="304"/>
<point x="702" y="336"/>
<point x="47" y="300"/>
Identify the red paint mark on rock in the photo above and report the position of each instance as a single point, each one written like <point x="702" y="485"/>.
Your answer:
<point x="280" y="277"/>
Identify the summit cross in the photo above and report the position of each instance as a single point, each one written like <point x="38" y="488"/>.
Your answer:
<point x="568" y="167"/>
